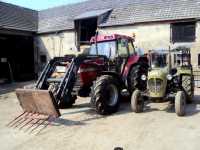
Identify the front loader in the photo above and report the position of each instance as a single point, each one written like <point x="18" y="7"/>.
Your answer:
<point x="111" y="66"/>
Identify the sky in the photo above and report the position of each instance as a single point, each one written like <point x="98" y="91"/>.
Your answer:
<point x="41" y="4"/>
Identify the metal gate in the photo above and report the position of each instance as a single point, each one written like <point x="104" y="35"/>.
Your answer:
<point x="196" y="78"/>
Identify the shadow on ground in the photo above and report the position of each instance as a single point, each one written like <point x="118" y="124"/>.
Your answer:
<point x="7" y="88"/>
<point x="191" y="109"/>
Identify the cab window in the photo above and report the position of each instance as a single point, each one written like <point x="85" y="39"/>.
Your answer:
<point x="131" y="48"/>
<point x="122" y="47"/>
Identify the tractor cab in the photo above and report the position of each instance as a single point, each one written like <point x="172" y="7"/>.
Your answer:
<point x="119" y="49"/>
<point x="112" y="46"/>
<point x="158" y="59"/>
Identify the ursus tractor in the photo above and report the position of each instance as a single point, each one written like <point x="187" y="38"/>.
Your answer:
<point x="110" y="66"/>
<point x="170" y="77"/>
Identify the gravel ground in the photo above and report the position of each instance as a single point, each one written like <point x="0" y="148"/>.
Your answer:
<point x="80" y="128"/>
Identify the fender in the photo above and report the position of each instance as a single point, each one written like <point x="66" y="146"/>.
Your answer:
<point x="114" y="74"/>
<point x="131" y="61"/>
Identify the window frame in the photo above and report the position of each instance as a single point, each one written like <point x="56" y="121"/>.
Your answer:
<point x="104" y="42"/>
<point x="134" y="52"/>
<point x="182" y="37"/>
<point x="127" y="49"/>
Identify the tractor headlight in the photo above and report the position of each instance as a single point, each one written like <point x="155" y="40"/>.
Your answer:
<point x="169" y="77"/>
<point x="144" y="77"/>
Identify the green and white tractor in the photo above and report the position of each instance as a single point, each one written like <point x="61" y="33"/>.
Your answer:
<point x="170" y="78"/>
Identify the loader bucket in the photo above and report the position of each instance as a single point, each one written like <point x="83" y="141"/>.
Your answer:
<point x="38" y="101"/>
<point x="40" y="109"/>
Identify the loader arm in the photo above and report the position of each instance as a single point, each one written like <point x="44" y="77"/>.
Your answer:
<point x="48" y="70"/>
<point x="68" y="82"/>
<point x="42" y="99"/>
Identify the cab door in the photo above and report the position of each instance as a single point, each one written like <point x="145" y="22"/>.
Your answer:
<point x="132" y="59"/>
<point x="122" y="55"/>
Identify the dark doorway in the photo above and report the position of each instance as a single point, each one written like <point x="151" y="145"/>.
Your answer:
<point x="85" y="29"/>
<point x="16" y="58"/>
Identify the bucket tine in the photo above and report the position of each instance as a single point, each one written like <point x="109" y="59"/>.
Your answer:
<point x="19" y="120"/>
<point x="49" y="121"/>
<point x="43" y="121"/>
<point x="27" y="122"/>
<point x="37" y="121"/>
<point x="23" y="120"/>
<point x="16" y="118"/>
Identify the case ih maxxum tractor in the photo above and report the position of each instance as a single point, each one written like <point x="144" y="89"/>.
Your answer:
<point x="111" y="66"/>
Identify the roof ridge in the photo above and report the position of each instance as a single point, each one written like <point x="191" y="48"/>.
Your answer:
<point x="65" y="5"/>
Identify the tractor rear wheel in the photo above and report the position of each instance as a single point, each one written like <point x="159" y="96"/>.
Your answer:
<point x="188" y="86"/>
<point x="134" y="78"/>
<point x="137" y="102"/>
<point x="105" y="95"/>
<point x="180" y="103"/>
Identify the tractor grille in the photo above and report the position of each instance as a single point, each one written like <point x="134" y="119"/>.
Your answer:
<point x="155" y="85"/>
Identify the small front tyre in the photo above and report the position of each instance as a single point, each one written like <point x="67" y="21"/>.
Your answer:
<point x="137" y="102"/>
<point x="180" y="103"/>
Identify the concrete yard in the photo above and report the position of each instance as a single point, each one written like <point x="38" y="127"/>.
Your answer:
<point x="80" y="128"/>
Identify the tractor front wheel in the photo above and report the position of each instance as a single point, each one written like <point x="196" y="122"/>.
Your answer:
<point x="105" y="95"/>
<point x="137" y="102"/>
<point x="180" y="103"/>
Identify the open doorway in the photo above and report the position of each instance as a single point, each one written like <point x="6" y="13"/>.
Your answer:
<point x="85" y="29"/>
<point x="16" y="58"/>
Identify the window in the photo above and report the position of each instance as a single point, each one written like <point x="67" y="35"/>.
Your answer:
<point x="183" y="32"/>
<point x="105" y="48"/>
<point x="131" y="48"/>
<point x="122" y="47"/>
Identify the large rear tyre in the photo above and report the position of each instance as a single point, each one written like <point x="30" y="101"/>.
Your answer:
<point x="137" y="102"/>
<point x="180" y="103"/>
<point x="188" y="86"/>
<point x="105" y="95"/>
<point x="67" y="102"/>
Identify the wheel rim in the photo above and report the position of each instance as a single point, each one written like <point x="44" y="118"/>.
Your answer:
<point x="112" y="95"/>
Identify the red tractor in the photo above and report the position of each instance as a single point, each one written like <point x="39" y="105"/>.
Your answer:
<point x="111" y="67"/>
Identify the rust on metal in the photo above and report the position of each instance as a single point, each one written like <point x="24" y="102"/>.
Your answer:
<point x="16" y="118"/>
<point x="31" y="122"/>
<point x="46" y="125"/>
<point x="39" y="108"/>
<point x="23" y="120"/>
<point x="27" y="123"/>
<point x="38" y="101"/>
<point x="39" y="124"/>
<point x="19" y="119"/>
